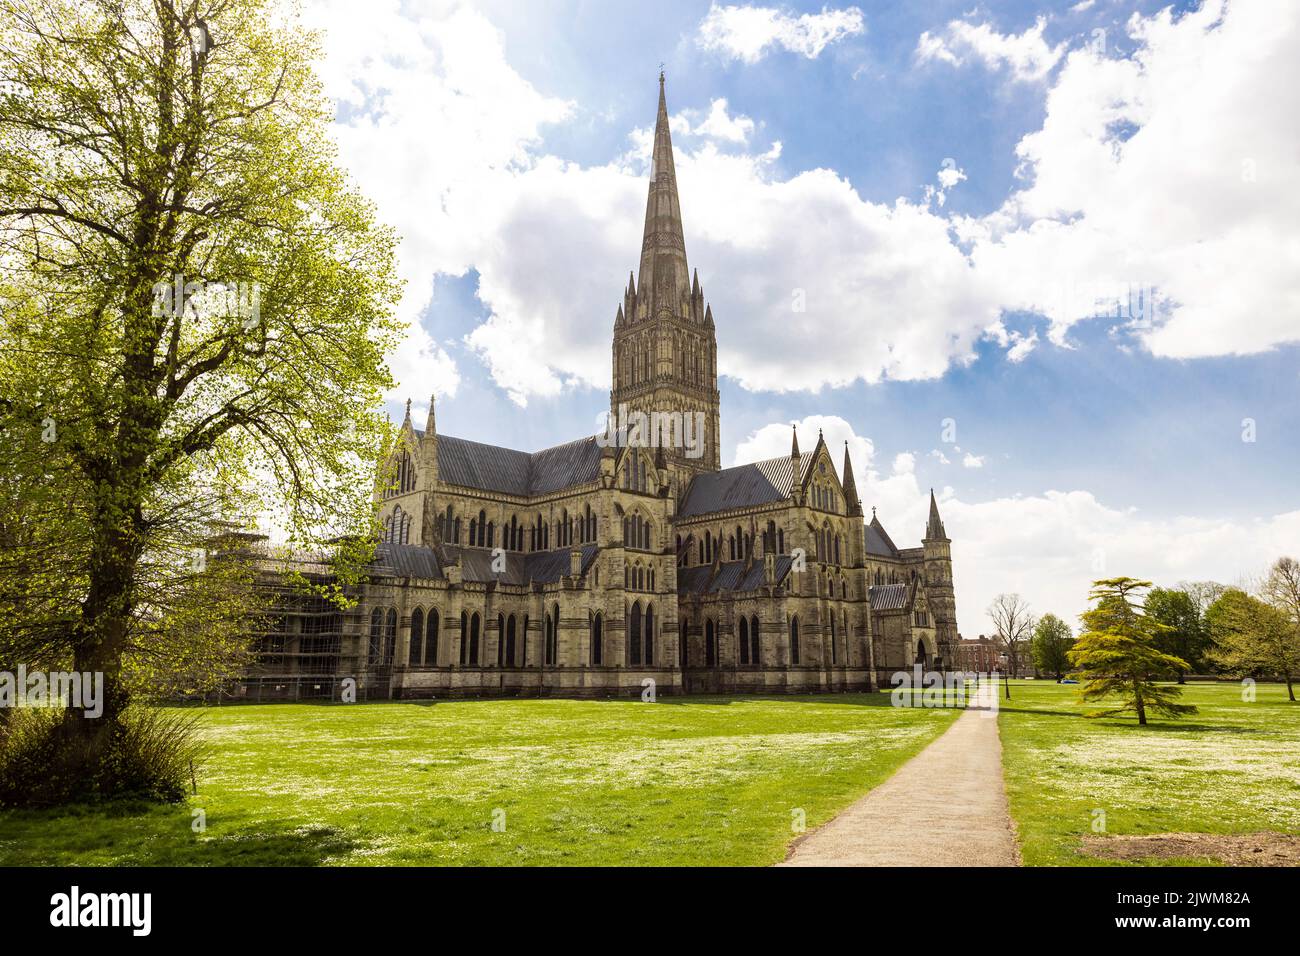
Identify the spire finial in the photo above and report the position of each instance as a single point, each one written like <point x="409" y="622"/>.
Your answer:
<point x="408" y="408"/>
<point x="934" y="526"/>
<point x="794" y="440"/>
<point x="850" y="486"/>
<point x="663" y="277"/>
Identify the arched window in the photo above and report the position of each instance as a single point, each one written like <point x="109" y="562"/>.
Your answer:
<point x="834" y="653"/>
<point x="482" y="530"/>
<point x="794" y="639"/>
<point x="390" y="636"/>
<point x="375" y="651"/>
<point x="415" y="654"/>
<point x="837" y="549"/>
<point x="683" y="645"/>
<point x="780" y="540"/>
<point x="710" y="644"/>
<point x="597" y="639"/>
<point x="649" y="635"/>
<point x="431" y="638"/>
<point x="474" y="626"/>
<point x="754" y="656"/>
<point x="634" y="634"/>
<point x="464" y="637"/>
<point x="510" y="641"/>
<point x="744" y="641"/>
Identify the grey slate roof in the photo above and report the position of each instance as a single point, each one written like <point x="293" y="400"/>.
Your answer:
<point x="539" y="567"/>
<point x="406" y="561"/>
<point x="731" y="576"/>
<point x="418" y="561"/>
<point x="877" y="541"/>
<point x="743" y="486"/>
<point x="889" y="597"/>
<point x="473" y="464"/>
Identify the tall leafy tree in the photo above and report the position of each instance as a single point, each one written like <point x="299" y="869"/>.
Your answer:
<point x="1185" y="634"/>
<point x="1118" y="656"/>
<point x="197" y="310"/>
<point x="1051" y="644"/>
<point x="1255" y="638"/>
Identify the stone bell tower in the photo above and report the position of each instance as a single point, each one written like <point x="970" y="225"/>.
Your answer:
<point x="936" y="547"/>
<point x="665" y="347"/>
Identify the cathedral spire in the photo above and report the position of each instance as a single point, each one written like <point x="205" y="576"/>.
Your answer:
<point x="934" y="527"/>
<point x="850" y="486"/>
<point x="794" y="441"/>
<point x="664" y="280"/>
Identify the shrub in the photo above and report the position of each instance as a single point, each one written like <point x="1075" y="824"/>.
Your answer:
<point x="150" y="754"/>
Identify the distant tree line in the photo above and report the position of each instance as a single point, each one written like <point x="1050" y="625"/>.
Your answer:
<point x="1135" y="636"/>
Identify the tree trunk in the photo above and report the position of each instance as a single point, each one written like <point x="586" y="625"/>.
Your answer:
<point x="103" y="630"/>
<point x="1141" y="706"/>
<point x="1290" y="691"/>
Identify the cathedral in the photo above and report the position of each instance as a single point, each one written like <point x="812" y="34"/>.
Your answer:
<point x="630" y="561"/>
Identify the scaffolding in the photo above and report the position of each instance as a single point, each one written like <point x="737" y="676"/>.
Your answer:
<point x="305" y="647"/>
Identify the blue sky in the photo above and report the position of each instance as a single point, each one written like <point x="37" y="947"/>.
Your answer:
<point x="507" y="142"/>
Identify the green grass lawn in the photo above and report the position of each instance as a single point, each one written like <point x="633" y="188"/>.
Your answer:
<point x="694" y="781"/>
<point x="1233" y="768"/>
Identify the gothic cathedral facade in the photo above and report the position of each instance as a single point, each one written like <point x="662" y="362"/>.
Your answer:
<point x="605" y="567"/>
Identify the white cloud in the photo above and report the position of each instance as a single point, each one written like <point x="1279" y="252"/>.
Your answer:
<point x="972" y="461"/>
<point x="1027" y="55"/>
<point x="1172" y="171"/>
<point x="429" y="111"/>
<point x="1048" y="547"/>
<point x="748" y="33"/>
<point x="1168" y="170"/>
<point x="940" y="457"/>
<point x="721" y="125"/>
<point x="1024" y="344"/>
<point x="949" y="175"/>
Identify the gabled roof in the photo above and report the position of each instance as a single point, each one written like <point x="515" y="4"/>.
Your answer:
<point x="743" y="486"/>
<point x="473" y="464"/>
<point x="876" y="540"/>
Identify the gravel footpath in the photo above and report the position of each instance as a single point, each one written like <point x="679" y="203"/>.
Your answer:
<point x="946" y="806"/>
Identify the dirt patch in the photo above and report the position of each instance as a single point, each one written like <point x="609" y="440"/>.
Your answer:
<point x="1238" y="849"/>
